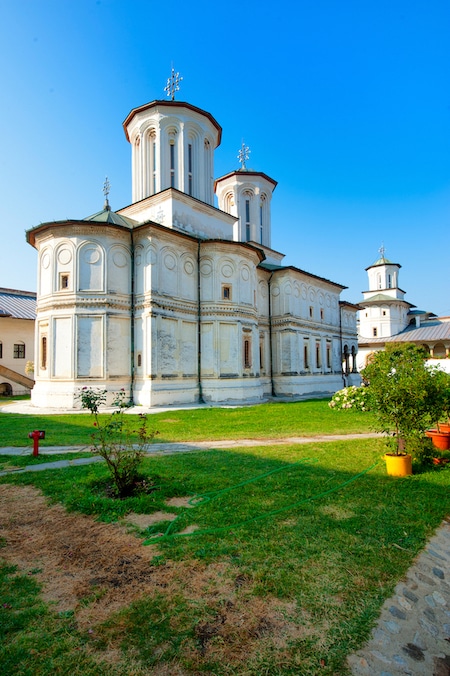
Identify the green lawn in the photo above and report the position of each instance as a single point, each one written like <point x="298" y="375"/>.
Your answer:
<point x="274" y="421"/>
<point x="318" y="530"/>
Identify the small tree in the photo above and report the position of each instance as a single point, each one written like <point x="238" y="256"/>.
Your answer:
<point x="115" y="439"/>
<point x="403" y="393"/>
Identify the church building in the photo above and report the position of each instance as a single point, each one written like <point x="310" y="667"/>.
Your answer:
<point x="386" y="317"/>
<point x="179" y="298"/>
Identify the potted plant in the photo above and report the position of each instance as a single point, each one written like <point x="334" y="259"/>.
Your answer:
<point x="402" y="395"/>
<point x="440" y="435"/>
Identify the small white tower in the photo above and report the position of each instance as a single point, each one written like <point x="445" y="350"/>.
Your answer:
<point x="247" y="194"/>
<point x="385" y="310"/>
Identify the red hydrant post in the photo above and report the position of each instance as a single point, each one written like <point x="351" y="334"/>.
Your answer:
<point x="36" y="435"/>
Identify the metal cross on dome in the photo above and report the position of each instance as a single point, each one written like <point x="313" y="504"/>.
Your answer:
<point x="106" y="188"/>
<point x="382" y="250"/>
<point x="173" y="84"/>
<point x="243" y="155"/>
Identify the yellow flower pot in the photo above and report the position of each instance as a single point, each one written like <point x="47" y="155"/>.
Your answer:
<point x="398" y="465"/>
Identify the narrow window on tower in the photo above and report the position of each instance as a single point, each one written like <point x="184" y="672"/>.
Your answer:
<point x="154" y="167"/>
<point x="172" y="164"/>
<point x="306" y="355"/>
<point x="375" y="332"/>
<point x="190" y="169"/>
<point x="247" y="220"/>
<point x="261" y="223"/>
<point x="318" y="356"/>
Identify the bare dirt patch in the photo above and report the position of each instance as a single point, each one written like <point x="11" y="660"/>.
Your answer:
<point x="180" y="502"/>
<point x="146" y="520"/>
<point x="96" y="569"/>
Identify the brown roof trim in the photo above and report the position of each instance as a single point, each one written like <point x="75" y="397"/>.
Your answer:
<point x="171" y="104"/>
<point x="347" y="303"/>
<point x="32" y="232"/>
<point x="309" y="274"/>
<point x="246" y="173"/>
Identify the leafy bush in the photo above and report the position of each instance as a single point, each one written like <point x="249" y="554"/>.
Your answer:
<point x="115" y="441"/>
<point x="404" y="394"/>
<point x="350" y="398"/>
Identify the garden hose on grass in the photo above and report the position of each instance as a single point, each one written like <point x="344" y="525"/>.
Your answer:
<point x="206" y="497"/>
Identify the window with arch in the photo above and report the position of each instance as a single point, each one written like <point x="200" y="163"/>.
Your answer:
<point x="19" y="351"/>
<point x="172" y="162"/>
<point x="1" y="350"/>
<point x="318" y="355"/>
<point x="247" y="219"/>
<point x="329" y="362"/>
<point x="262" y="218"/>
<point x="152" y="145"/>
<point x="229" y="202"/>
<point x="190" y="164"/>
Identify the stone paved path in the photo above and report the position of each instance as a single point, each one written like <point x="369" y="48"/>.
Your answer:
<point x="413" y="632"/>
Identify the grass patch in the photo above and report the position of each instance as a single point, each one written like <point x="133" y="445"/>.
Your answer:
<point x="296" y="548"/>
<point x="273" y="420"/>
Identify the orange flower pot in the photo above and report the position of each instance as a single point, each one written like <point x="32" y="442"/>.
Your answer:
<point x="398" y="465"/>
<point x="441" y="440"/>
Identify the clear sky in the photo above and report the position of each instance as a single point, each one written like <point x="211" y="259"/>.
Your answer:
<point x="346" y="103"/>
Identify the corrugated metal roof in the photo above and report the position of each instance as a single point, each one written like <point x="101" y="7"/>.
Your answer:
<point x="17" y="304"/>
<point x="431" y="332"/>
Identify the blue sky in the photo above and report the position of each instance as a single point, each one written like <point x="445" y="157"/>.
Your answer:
<point x="345" y="103"/>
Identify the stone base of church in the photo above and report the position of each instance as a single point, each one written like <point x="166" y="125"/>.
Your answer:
<point x="65" y="395"/>
<point x="317" y="385"/>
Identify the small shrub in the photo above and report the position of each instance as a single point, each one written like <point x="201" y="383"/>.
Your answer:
<point x="350" y="398"/>
<point x="114" y="440"/>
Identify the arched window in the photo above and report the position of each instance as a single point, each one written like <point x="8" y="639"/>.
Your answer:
<point x="172" y="162"/>
<point x="247" y="219"/>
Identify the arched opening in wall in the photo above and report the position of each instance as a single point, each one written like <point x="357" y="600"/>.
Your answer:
<point x="346" y="360"/>
<point x="426" y="348"/>
<point x="247" y="218"/>
<point x="329" y="356"/>
<point x="318" y="355"/>
<point x="354" y="370"/>
<point x="1" y="350"/>
<point x="439" y="351"/>
<point x="5" y="389"/>
<point x="229" y="202"/>
<point x="152" y="162"/>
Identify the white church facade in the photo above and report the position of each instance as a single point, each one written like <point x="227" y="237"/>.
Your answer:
<point x="177" y="300"/>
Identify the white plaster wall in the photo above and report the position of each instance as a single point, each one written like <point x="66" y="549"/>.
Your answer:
<point x="16" y="331"/>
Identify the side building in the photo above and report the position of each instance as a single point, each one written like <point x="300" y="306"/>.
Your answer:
<point x="176" y="300"/>
<point x="17" y="320"/>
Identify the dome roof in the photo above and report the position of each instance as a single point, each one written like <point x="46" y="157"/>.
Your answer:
<point x="109" y="216"/>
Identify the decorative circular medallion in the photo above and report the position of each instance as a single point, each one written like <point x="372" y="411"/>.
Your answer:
<point x="304" y="292"/>
<point x="227" y="270"/>
<point x="245" y="274"/>
<point x="170" y="261"/>
<point x="120" y="259"/>
<point x="189" y="267"/>
<point x="275" y="291"/>
<point x="296" y="291"/>
<point x="328" y="301"/>
<point x="312" y="295"/>
<point x="64" y="256"/>
<point x="91" y="255"/>
<point x="321" y="298"/>
<point x="45" y="262"/>
<point x="206" y="269"/>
